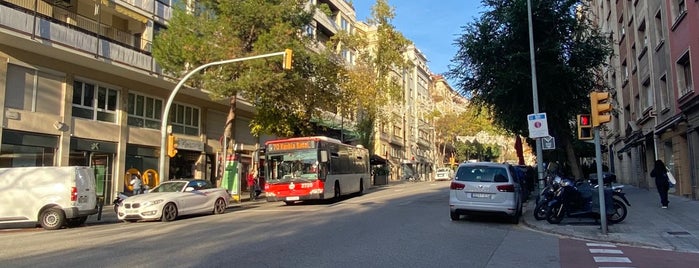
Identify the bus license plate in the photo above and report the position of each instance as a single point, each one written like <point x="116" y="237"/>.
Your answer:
<point x="292" y="198"/>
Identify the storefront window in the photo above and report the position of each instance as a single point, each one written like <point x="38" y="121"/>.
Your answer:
<point x="26" y="156"/>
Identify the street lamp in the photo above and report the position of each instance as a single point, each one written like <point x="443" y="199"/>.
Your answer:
<point x="166" y="110"/>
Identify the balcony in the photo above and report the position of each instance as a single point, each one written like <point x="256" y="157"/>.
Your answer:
<point x="54" y="26"/>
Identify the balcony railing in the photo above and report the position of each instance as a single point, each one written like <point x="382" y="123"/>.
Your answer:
<point x="62" y="27"/>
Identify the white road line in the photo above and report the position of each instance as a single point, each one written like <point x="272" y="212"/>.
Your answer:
<point x="600" y="245"/>
<point x="606" y="251"/>
<point x="612" y="259"/>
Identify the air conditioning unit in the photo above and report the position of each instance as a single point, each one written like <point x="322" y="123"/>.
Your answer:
<point x="62" y="3"/>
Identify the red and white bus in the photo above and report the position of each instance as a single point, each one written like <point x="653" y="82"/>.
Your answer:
<point x="314" y="168"/>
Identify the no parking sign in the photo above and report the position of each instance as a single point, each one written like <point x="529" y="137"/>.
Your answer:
<point x="538" y="126"/>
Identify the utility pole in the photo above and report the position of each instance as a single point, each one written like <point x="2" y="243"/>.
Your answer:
<point x="535" y="96"/>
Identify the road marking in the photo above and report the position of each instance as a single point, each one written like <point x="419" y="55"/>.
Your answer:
<point x="612" y="259"/>
<point x="600" y="245"/>
<point x="607" y="251"/>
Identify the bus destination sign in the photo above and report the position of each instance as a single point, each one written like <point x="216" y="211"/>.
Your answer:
<point x="290" y="145"/>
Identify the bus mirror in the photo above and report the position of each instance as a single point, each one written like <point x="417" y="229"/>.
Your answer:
<point x="323" y="156"/>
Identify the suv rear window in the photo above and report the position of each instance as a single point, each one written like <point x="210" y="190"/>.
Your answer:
<point x="481" y="174"/>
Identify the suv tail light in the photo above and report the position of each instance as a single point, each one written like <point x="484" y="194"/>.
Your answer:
<point x="506" y="188"/>
<point x="73" y="193"/>
<point x="456" y="186"/>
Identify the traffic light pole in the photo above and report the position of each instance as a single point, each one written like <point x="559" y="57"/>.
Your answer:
<point x="535" y="96"/>
<point x="166" y="110"/>
<point x="600" y="182"/>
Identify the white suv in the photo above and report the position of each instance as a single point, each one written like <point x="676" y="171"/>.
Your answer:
<point x="485" y="188"/>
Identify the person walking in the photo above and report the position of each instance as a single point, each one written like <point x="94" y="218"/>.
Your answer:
<point x="251" y="183"/>
<point x="136" y="183"/>
<point x="662" y="182"/>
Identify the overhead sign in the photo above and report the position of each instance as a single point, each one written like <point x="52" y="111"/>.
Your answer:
<point x="538" y="126"/>
<point x="548" y="143"/>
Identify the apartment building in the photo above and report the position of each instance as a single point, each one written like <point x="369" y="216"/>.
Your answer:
<point x="654" y="98"/>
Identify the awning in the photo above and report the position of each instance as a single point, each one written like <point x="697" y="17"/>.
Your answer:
<point x="377" y="160"/>
<point x="118" y="8"/>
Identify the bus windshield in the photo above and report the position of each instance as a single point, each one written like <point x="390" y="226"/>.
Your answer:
<point x="301" y="165"/>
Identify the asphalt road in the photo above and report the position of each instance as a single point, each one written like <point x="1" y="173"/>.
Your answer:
<point x="405" y="225"/>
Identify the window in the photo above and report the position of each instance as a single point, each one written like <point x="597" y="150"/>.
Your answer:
<point x="648" y="94"/>
<point x="32" y="90"/>
<point x="642" y="37"/>
<point x="626" y="71"/>
<point x="684" y="74"/>
<point x="94" y="102"/>
<point x="664" y="94"/>
<point x="679" y="8"/>
<point x="184" y="119"/>
<point x="659" y="28"/>
<point x="144" y="111"/>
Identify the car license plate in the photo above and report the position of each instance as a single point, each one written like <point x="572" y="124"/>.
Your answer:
<point x="292" y="198"/>
<point x="130" y="211"/>
<point x="82" y="199"/>
<point x="479" y="195"/>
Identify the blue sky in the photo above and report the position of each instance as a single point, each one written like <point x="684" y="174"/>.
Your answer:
<point x="432" y="25"/>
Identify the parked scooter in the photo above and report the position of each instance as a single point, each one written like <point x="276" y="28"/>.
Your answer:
<point x="120" y="196"/>
<point x="542" y="203"/>
<point x="609" y="179"/>
<point x="579" y="200"/>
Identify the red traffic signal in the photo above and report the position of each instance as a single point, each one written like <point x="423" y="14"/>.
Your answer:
<point x="584" y="127"/>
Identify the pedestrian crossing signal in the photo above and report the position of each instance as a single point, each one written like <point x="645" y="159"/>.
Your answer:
<point x="584" y="127"/>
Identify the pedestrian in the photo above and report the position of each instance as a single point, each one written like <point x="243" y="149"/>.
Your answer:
<point x="251" y="183"/>
<point x="136" y="183"/>
<point x="662" y="182"/>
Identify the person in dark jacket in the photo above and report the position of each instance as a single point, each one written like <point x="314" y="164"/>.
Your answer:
<point x="662" y="182"/>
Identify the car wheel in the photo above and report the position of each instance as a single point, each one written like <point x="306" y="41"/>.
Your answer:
<point x="52" y="219"/>
<point x="220" y="206"/>
<point x="169" y="212"/>
<point x="75" y="222"/>
<point x="454" y="216"/>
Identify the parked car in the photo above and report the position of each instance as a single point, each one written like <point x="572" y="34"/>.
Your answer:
<point x="444" y="173"/>
<point x="174" y="198"/>
<point x="485" y="188"/>
<point x="50" y="196"/>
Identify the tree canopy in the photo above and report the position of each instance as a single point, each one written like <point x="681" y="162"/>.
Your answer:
<point x="493" y="63"/>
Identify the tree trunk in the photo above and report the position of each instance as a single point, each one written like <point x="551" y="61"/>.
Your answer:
<point x="572" y="159"/>
<point x="229" y="128"/>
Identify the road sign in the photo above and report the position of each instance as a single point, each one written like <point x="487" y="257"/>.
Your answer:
<point x="538" y="126"/>
<point x="548" y="143"/>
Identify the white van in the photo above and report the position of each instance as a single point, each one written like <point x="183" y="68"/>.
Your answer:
<point x="50" y="196"/>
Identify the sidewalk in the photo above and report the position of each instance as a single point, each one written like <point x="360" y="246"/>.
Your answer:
<point x="647" y="225"/>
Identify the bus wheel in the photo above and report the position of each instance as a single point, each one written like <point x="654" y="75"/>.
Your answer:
<point x="361" y="187"/>
<point x="337" y="190"/>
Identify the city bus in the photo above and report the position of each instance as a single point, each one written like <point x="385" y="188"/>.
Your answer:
<point x="314" y="168"/>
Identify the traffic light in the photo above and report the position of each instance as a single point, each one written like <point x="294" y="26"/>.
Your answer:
<point x="171" y="145"/>
<point x="452" y="161"/>
<point x="584" y="127"/>
<point x="286" y="65"/>
<point x="601" y="106"/>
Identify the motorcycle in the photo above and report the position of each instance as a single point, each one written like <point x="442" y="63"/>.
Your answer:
<point x="542" y="202"/>
<point x="120" y="196"/>
<point x="608" y="179"/>
<point x="579" y="200"/>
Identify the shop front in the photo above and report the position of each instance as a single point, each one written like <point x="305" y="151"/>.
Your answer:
<point x="100" y="156"/>
<point x="26" y="149"/>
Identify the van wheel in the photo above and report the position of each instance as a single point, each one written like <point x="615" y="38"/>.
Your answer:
<point x="454" y="216"/>
<point x="169" y="212"/>
<point x="75" y="222"/>
<point x="52" y="219"/>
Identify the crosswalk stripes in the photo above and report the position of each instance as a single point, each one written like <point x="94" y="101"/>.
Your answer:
<point x="606" y="254"/>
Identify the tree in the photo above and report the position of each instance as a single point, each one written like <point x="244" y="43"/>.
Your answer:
<point x="493" y="64"/>
<point x="370" y="84"/>
<point x="208" y="31"/>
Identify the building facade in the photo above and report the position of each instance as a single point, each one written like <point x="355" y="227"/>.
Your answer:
<point x="654" y="98"/>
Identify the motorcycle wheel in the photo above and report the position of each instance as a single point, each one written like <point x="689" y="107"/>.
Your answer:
<point x="540" y="210"/>
<point x="554" y="215"/>
<point x="619" y="214"/>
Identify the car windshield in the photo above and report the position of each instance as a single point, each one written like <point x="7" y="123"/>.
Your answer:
<point x="169" y="187"/>
<point x="481" y="174"/>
